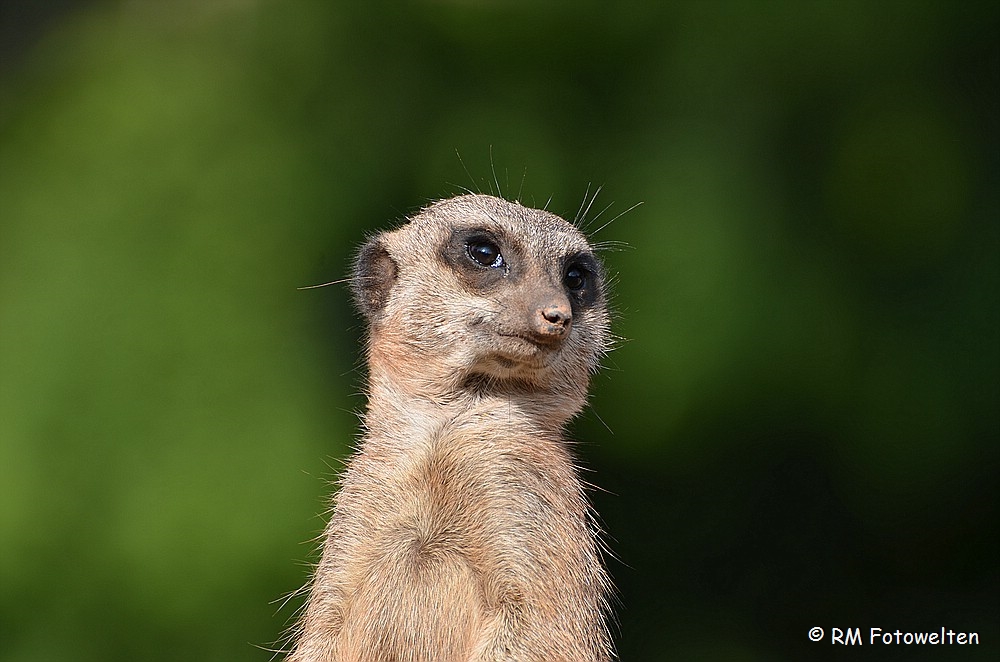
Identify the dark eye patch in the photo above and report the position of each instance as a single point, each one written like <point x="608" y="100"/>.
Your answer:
<point x="480" y="257"/>
<point x="582" y="278"/>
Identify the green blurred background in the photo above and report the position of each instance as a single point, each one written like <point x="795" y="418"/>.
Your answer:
<point x="801" y="428"/>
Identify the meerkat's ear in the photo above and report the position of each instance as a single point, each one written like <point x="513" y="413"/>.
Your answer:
<point x="373" y="277"/>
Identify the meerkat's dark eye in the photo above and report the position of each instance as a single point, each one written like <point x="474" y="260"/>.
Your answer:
<point x="485" y="253"/>
<point x="575" y="278"/>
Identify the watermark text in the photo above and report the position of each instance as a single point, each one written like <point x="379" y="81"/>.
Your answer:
<point x="855" y="636"/>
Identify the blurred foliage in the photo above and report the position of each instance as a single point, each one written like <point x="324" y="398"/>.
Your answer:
<point x="804" y="412"/>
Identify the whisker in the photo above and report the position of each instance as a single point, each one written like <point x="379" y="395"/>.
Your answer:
<point x="464" y="189"/>
<point x="496" y="181"/>
<point x="616" y="218"/>
<point x="583" y="220"/>
<point x="471" y="178"/>
<point x="598" y="417"/>
<point x="520" y="188"/>
<point x="580" y="212"/>
<point x="332" y="282"/>
<point x="611" y="245"/>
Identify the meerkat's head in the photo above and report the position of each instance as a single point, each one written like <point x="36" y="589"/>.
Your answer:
<point x="476" y="291"/>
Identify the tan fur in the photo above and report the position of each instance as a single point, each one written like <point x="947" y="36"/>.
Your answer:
<point x="461" y="531"/>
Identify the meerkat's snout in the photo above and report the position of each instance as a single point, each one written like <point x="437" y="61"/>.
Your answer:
<point x="552" y="320"/>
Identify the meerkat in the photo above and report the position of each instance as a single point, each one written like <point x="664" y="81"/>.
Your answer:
<point x="461" y="530"/>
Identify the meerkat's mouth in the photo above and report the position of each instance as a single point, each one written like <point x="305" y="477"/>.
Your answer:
<point x="542" y="344"/>
<point x="523" y="350"/>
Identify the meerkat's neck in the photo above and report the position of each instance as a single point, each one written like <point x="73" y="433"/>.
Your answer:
<point x="396" y="402"/>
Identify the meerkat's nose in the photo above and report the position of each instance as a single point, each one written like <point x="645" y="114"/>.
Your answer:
<point x="553" y="320"/>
